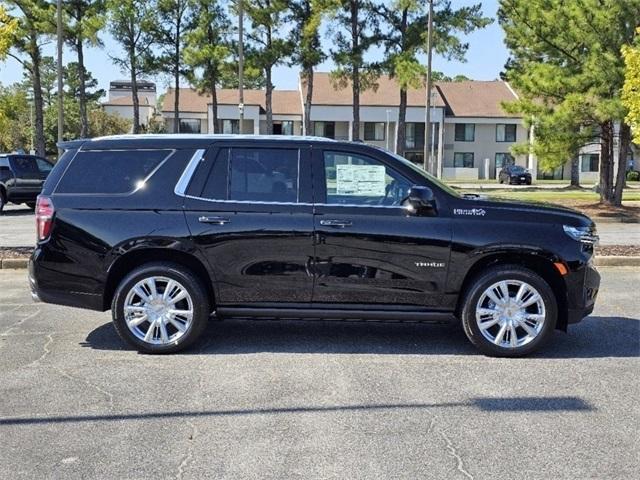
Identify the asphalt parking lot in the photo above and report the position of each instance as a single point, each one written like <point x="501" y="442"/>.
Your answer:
<point x="316" y="400"/>
<point x="17" y="229"/>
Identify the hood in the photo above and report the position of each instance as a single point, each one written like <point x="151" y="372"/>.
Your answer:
<point x="530" y="211"/>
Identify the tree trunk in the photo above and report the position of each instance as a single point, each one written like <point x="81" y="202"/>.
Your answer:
<point x="82" y="100"/>
<point x="606" y="149"/>
<point x="134" y="92"/>
<point x="401" y="130"/>
<point x="308" y="74"/>
<point x="267" y="101"/>
<point x="176" y="73"/>
<point x="214" y="103"/>
<point x="575" y="171"/>
<point x="623" y="149"/>
<point x="35" y="55"/>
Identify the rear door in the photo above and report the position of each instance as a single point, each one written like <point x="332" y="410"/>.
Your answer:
<point x="369" y="249"/>
<point x="249" y="210"/>
<point x="30" y="174"/>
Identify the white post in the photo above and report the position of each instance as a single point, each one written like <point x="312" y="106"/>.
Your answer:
<point x="350" y="130"/>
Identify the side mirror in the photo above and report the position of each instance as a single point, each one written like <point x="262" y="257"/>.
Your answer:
<point x="421" y="200"/>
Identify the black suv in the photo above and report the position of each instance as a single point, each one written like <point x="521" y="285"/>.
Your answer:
<point x="21" y="178"/>
<point x="166" y="230"/>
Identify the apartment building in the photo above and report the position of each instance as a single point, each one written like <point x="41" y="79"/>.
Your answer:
<point x="472" y="135"/>
<point x="120" y="102"/>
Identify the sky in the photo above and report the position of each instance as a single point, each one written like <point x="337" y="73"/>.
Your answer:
<point x="486" y="57"/>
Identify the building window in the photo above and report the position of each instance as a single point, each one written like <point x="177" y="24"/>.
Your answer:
<point x="465" y="132"/>
<point x="463" y="160"/>
<point x="324" y="129"/>
<point x="374" y="131"/>
<point x="589" y="163"/>
<point x="503" y="159"/>
<point x="506" y="132"/>
<point x="189" y="125"/>
<point x="230" y="126"/>
<point x="287" y="127"/>
<point x="414" y="135"/>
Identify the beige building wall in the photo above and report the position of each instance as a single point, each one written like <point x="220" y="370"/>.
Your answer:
<point x="484" y="144"/>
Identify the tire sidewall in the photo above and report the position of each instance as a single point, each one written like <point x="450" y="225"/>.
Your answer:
<point x="190" y="282"/>
<point x="478" y="286"/>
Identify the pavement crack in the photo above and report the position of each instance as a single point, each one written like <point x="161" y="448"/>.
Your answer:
<point x="97" y="388"/>
<point x="45" y="349"/>
<point x="19" y="322"/>
<point x="188" y="456"/>
<point x="453" y="451"/>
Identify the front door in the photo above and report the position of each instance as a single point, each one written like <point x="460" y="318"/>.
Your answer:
<point x="250" y="214"/>
<point x="369" y="250"/>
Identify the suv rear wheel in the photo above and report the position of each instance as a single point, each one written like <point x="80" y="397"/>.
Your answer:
<point x="160" y="308"/>
<point x="509" y="311"/>
<point x="3" y="200"/>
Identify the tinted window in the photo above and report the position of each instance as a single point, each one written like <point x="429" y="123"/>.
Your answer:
<point x="216" y="186"/>
<point x="358" y="180"/>
<point x="43" y="166"/>
<point x="4" y="162"/>
<point x="517" y="169"/>
<point x="109" y="172"/>
<point x="25" y="166"/>
<point x="268" y="175"/>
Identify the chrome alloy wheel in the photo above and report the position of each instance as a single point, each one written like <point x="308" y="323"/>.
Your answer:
<point x="158" y="310"/>
<point x="510" y="313"/>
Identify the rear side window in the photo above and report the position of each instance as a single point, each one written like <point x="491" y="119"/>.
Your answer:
<point x="269" y="175"/>
<point x="110" y="171"/>
<point x="254" y="174"/>
<point x="24" y="166"/>
<point x="44" y="166"/>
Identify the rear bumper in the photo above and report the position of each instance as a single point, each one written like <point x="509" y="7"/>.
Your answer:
<point x="42" y="283"/>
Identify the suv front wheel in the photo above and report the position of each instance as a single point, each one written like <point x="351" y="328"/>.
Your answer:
<point x="509" y="311"/>
<point x="160" y="308"/>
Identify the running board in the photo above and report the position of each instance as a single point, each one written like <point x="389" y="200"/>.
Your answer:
<point x="337" y="314"/>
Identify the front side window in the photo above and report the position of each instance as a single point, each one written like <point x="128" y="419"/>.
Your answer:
<point x="267" y="175"/>
<point x="190" y="125"/>
<point x="374" y="131"/>
<point x="506" y="133"/>
<point x="465" y="132"/>
<point x="463" y="160"/>
<point x="353" y="179"/>
<point x="43" y="165"/>
<point x="589" y="163"/>
<point x="109" y="171"/>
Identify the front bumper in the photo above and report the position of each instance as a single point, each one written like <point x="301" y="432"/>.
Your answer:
<point x="582" y="292"/>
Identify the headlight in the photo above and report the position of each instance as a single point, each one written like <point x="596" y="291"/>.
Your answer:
<point x="582" y="234"/>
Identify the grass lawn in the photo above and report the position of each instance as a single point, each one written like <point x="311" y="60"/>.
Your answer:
<point x="555" y="196"/>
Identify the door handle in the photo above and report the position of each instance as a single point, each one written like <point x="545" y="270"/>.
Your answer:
<point x="336" y="223"/>
<point x="214" y="220"/>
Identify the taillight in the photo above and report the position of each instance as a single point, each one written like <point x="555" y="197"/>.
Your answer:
<point x="44" y="217"/>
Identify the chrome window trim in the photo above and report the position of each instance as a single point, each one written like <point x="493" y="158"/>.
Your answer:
<point x="171" y="151"/>
<point x="183" y="182"/>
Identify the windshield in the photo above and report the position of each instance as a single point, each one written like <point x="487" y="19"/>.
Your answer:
<point x="517" y="169"/>
<point x="424" y="174"/>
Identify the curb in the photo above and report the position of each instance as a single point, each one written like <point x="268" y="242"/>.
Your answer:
<point x="608" y="261"/>
<point x="14" y="263"/>
<point x="617" y="261"/>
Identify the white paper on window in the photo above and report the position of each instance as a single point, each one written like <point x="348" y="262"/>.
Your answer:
<point x="360" y="180"/>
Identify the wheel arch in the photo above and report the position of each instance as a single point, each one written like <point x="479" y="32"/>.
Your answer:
<point x="140" y="256"/>
<point x="541" y="264"/>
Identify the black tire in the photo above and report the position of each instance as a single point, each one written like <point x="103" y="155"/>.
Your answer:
<point x="528" y="182"/>
<point x="474" y="293"/>
<point x="198" y="293"/>
<point x="3" y="200"/>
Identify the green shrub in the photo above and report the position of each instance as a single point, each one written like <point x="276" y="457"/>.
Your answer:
<point x="633" y="176"/>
